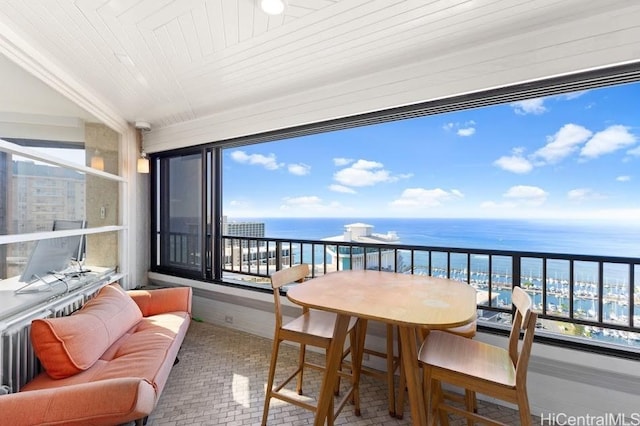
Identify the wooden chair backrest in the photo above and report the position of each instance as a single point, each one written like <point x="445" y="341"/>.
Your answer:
<point x="283" y="277"/>
<point x="523" y="320"/>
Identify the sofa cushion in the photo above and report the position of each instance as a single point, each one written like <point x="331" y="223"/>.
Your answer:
<point x="69" y="345"/>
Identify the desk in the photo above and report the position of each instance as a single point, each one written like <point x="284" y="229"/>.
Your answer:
<point x="408" y="301"/>
<point x="12" y="303"/>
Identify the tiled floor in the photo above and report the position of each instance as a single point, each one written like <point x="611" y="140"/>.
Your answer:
<point x="221" y="377"/>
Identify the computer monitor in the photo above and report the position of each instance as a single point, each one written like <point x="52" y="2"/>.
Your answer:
<point x="50" y="256"/>
<point x="61" y="224"/>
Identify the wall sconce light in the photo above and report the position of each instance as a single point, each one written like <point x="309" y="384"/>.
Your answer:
<point x="142" y="165"/>
<point x="97" y="161"/>
<point x="272" y="7"/>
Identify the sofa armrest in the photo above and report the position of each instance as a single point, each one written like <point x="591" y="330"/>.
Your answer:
<point x="112" y="401"/>
<point x="162" y="300"/>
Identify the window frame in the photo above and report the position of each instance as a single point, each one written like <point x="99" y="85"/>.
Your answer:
<point x="159" y="191"/>
<point x="558" y="85"/>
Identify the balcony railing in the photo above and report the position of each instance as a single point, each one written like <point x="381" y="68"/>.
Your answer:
<point x="592" y="299"/>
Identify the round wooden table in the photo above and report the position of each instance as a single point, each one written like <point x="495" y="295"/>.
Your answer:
<point x="405" y="300"/>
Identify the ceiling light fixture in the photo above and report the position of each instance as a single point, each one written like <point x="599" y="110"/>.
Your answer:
<point x="142" y="165"/>
<point x="272" y="7"/>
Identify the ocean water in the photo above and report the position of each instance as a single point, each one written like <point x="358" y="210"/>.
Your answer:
<point x="601" y="239"/>
<point x="597" y="239"/>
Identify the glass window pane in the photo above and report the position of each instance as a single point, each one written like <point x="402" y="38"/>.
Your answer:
<point x="180" y="224"/>
<point x="28" y="260"/>
<point x="37" y="194"/>
<point x="87" y="144"/>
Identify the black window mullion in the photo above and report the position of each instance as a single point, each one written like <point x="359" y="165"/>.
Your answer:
<point x="165" y="239"/>
<point x="216" y="199"/>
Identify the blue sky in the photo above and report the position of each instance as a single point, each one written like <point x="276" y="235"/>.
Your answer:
<point x="574" y="156"/>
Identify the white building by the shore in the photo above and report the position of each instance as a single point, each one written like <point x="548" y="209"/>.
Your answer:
<point x="345" y="256"/>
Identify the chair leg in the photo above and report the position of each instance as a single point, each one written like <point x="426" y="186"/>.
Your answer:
<point x="471" y="404"/>
<point x="303" y="349"/>
<point x="523" y="408"/>
<point x="332" y="416"/>
<point x="439" y="399"/>
<point x="356" y="363"/>
<point x="336" y="389"/>
<point x="391" y="390"/>
<point x="470" y="401"/>
<point x="427" y="387"/>
<point x="402" y="385"/>
<point x="272" y="373"/>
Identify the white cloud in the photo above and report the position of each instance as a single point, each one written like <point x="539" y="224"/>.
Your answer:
<point x="421" y="197"/>
<point x="515" y="163"/>
<point x="573" y="95"/>
<point x="365" y="173"/>
<point x="341" y="188"/>
<point x="366" y="165"/>
<point x="269" y="162"/>
<point x="530" y="195"/>
<point x="529" y="106"/>
<point x="635" y="151"/>
<point x="299" y="169"/>
<point x="342" y="161"/>
<point x="466" y="131"/>
<point x="623" y="178"/>
<point x="463" y="129"/>
<point x="584" y="194"/>
<point x="563" y="143"/>
<point x="608" y="140"/>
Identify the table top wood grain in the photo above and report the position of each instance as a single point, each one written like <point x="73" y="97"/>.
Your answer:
<point x="395" y="298"/>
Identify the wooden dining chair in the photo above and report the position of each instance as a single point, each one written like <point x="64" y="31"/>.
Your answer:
<point x="480" y="367"/>
<point x="467" y="331"/>
<point x="313" y="328"/>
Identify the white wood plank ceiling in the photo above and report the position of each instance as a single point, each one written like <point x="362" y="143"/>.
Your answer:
<point x="175" y="61"/>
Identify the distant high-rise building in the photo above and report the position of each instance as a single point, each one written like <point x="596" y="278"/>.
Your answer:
<point x="242" y="229"/>
<point x="250" y="252"/>
<point x="39" y="195"/>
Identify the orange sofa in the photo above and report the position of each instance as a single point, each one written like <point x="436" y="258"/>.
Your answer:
<point x="105" y="364"/>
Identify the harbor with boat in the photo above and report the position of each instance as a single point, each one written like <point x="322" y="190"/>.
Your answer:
<point x="550" y="292"/>
<point x="587" y="299"/>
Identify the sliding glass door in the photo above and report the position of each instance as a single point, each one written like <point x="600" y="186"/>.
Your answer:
<point x="179" y="224"/>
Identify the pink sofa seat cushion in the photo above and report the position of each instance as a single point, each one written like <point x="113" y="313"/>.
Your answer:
<point x="146" y="351"/>
<point x="108" y="402"/>
<point x="69" y="345"/>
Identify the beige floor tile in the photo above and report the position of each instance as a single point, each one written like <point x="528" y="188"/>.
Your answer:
<point x="221" y="378"/>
